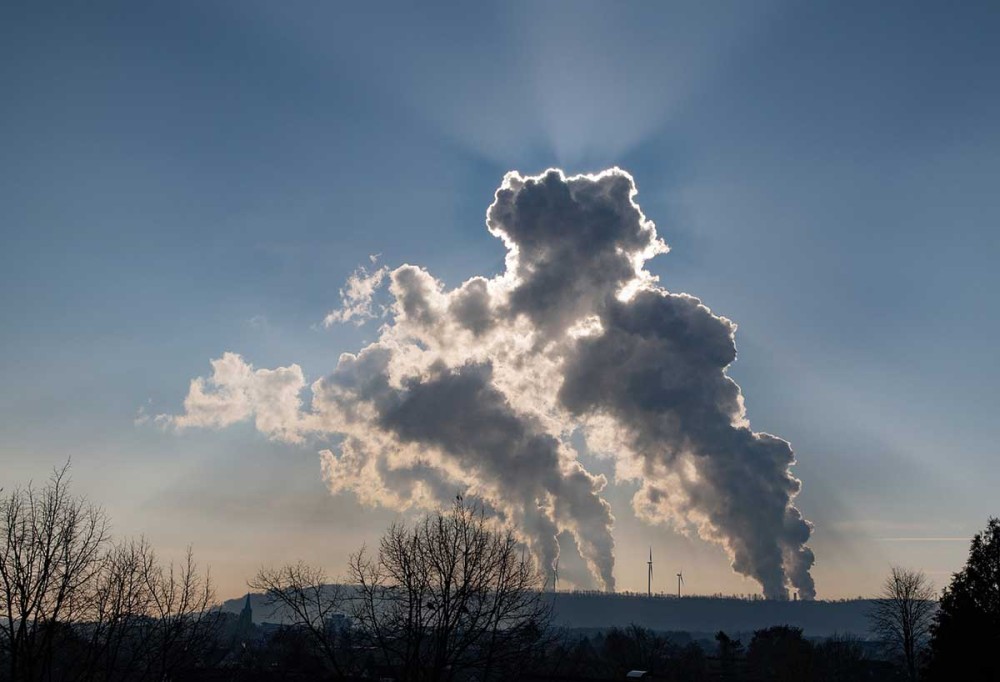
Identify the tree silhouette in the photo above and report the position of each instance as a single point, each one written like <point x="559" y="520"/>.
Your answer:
<point x="50" y="550"/>
<point x="966" y="630"/>
<point x="450" y="595"/>
<point x="312" y="605"/>
<point x="902" y="616"/>
<point x="842" y="658"/>
<point x="76" y="606"/>
<point x="730" y="651"/>
<point x="780" y="654"/>
<point x="636" y="647"/>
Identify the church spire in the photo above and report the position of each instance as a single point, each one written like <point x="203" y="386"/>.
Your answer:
<point x="246" y="616"/>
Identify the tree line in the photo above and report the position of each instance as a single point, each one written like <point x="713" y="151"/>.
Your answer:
<point x="450" y="597"/>
<point x="76" y="604"/>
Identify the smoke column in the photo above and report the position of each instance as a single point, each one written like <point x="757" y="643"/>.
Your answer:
<point x="478" y="388"/>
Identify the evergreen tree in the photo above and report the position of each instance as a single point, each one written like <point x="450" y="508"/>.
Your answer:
<point x="966" y="631"/>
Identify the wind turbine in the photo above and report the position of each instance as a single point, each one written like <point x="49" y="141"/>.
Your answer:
<point x="680" y="581"/>
<point x="649" y="574"/>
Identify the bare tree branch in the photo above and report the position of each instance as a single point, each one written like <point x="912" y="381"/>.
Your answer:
<point x="451" y="593"/>
<point x="309" y="602"/>
<point x="903" y="614"/>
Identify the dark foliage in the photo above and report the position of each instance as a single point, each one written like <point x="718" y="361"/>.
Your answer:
<point x="730" y="655"/>
<point x="780" y="654"/>
<point x="966" y="630"/>
<point x="612" y="654"/>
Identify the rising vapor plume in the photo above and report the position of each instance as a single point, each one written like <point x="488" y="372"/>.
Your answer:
<point x="478" y="389"/>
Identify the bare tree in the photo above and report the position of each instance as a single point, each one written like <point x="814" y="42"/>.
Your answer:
<point x="450" y="594"/>
<point x="50" y="554"/>
<point x="183" y="617"/>
<point x="306" y="598"/>
<point x="116" y="622"/>
<point x="76" y="606"/>
<point x="144" y="620"/>
<point x="903" y="614"/>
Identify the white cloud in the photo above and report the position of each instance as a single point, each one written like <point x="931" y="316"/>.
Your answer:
<point x="356" y="296"/>
<point x="236" y="392"/>
<point x="477" y="388"/>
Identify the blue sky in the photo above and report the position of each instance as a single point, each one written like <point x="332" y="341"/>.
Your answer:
<point x="183" y="180"/>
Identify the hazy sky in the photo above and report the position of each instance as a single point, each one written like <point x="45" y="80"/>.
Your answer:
<point x="188" y="179"/>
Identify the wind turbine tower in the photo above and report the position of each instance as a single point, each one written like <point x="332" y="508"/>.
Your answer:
<point x="649" y="574"/>
<point x="680" y="581"/>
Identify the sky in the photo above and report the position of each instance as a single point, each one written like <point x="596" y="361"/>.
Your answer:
<point x="182" y="181"/>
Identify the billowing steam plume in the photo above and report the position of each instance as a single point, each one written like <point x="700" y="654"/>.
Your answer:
<point x="478" y="389"/>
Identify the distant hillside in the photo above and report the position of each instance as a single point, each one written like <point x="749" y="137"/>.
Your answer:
<point x="691" y="614"/>
<point x="710" y="614"/>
